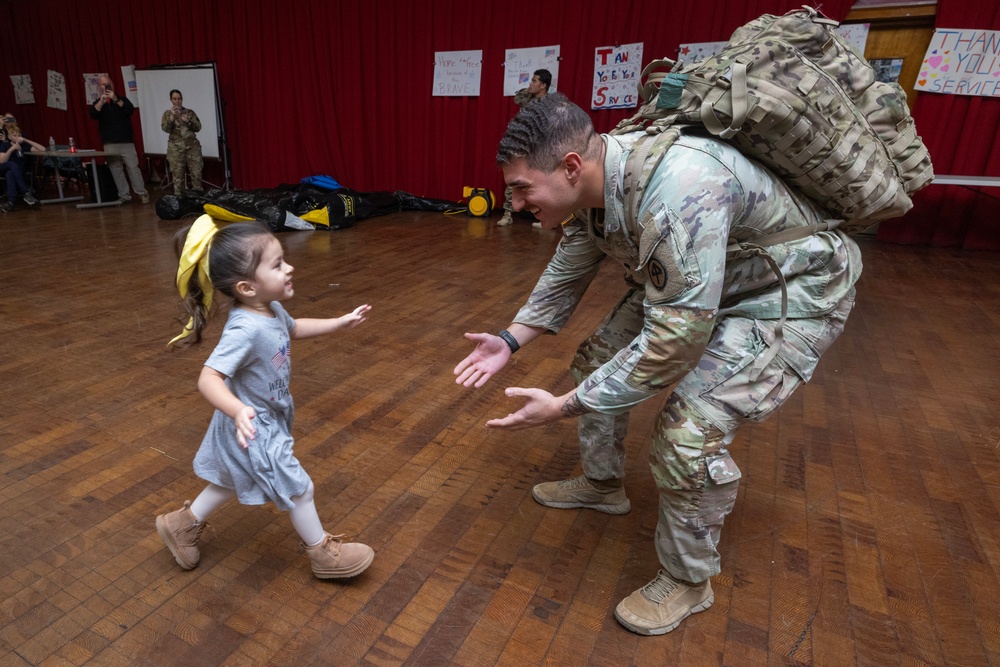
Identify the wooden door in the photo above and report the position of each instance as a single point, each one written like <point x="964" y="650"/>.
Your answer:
<point x="898" y="37"/>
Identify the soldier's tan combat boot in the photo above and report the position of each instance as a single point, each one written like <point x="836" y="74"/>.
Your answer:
<point x="505" y="220"/>
<point x="180" y="531"/>
<point x="603" y="496"/>
<point x="661" y="605"/>
<point x="334" y="559"/>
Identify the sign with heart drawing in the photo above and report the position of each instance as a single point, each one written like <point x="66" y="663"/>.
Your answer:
<point x="962" y="62"/>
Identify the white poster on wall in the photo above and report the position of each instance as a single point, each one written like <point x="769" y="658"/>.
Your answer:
<point x="57" y="90"/>
<point x="697" y="51"/>
<point x="616" y="76"/>
<point x="131" y="90"/>
<point x="962" y="62"/>
<point x="457" y="73"/>
<point x="24" y="93"/>
<point x="520" y="64"/>
<point x="856" y="34"/>
<point x="91" y="88"/>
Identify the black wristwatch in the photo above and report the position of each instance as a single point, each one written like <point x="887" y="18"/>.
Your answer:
<point x="508" y="338"/>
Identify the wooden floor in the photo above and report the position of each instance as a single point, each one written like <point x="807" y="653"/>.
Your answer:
<point x="867" y="530"/>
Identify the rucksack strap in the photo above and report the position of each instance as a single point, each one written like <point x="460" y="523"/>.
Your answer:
<point x="740" y="100"/>
<point x="757" y="248"/>
<point x="784" y="236"/>
<point x="637" y="172"/>
<point x="745" y="250"/>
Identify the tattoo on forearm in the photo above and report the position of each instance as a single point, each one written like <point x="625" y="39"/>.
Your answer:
<point x="573" y="407"/>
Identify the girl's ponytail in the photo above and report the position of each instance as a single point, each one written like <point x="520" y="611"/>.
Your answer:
<point x="193" y="282"/>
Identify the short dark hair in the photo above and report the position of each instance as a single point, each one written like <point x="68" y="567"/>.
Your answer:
<point x="176" y="91"/>
<point x="544" y="76"/>
<point x="545" y="131"/>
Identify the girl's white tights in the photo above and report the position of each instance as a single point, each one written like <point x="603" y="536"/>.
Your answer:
<point x="210" y="499"/>
<point x="304" y="517"/>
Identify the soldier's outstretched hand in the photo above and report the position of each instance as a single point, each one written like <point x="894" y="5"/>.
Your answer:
<point x="491" y="354"/>
<point x="540" y="407"/>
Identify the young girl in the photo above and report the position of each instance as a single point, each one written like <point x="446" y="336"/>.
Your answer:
<point x="247" y="452"/>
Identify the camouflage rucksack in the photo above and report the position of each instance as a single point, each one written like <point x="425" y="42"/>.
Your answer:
<point x="791" y="93"/>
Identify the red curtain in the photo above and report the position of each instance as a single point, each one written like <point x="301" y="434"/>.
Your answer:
<point x="344" y="88"/>
<point x="960" y="132"/>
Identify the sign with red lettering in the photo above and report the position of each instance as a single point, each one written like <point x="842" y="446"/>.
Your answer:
<point x="616" y="76"/>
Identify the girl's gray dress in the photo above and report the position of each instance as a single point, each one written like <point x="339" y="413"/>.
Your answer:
<point x="254" y="353"/>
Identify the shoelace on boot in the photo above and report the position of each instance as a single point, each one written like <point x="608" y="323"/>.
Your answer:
<point x="659" y="588"/>
<point x="200" y="528"/>
<point x="337" y="540"/>
<point x="575" y="483"/>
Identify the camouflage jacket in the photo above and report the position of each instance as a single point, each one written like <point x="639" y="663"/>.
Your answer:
<point x="702" y="193"/>
<point x="522" y="97"/>
<point x="181" y="133"/>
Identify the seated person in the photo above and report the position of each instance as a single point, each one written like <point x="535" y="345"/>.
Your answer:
<point x="13" y="146"/>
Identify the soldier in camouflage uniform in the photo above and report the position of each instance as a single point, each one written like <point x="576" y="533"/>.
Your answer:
<point x="183" y="147"/>
<point x="703" y="325"/>
<point x="538" y="88"/>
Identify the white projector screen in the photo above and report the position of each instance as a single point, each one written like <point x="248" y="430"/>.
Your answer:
<point x="197" y="85"/>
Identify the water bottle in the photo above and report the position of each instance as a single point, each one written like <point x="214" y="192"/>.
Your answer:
<point x="72" y="145"/>
<point x="52" y="145"/>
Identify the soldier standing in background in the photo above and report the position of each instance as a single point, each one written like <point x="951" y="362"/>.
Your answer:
<point x="183" y="147"/>
<point x="537" y="89"/>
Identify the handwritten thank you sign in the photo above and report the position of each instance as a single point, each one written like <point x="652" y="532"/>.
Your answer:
<point x="616" y="76"/>
<point x="962" y="62"/>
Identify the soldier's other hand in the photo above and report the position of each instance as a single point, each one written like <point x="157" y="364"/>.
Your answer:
<point x="540" y="407"/>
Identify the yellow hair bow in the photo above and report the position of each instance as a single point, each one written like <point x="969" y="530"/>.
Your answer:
<point x="194" y="257"/>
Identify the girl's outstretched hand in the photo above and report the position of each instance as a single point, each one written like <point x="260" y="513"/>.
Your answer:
<point x="356" y="316"/>
<point x="307" y="327"/>
<point x="245" y="430"/>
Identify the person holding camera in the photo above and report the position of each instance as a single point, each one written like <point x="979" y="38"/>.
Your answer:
<point x="13" y="146"/>
<point x="114" y="122"/>
<point x="183" y="147"/>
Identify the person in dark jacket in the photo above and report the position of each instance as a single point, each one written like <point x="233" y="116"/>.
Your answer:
<point x="113" y="115"/>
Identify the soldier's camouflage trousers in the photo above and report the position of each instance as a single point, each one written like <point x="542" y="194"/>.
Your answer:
<point x="694" y="472"/>
<point x="181" y="157"/>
